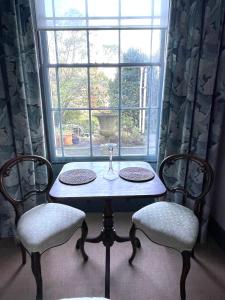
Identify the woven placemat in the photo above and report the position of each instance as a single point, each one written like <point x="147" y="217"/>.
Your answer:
<point x="136" y="174"/>
<point x="77" y="176"/>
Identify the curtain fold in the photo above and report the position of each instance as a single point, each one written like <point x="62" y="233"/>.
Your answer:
<point x="21" y="118"/>
<point x="193" y="105"/>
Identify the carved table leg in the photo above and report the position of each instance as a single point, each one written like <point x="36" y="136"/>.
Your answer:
<point x="108" y="235"/>
<point x="108" y="240"/>
<point x="107" y="272"/>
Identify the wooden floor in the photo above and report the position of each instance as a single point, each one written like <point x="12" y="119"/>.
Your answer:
<point x="154" y="275"/>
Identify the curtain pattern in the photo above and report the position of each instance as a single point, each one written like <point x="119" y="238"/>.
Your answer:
<point x="21" y="124"/>
<point x="192" y="82"/>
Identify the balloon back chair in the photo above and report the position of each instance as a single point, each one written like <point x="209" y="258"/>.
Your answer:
<point x="45" y="225"/>
<point x="175" y="224"/>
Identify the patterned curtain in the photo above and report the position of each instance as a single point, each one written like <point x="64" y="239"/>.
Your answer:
<point x="21" y="124"/>
<point x="194" y="90"/>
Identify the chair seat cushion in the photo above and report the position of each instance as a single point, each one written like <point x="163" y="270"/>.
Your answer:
<point x="48" y="225"/>
<point x="169" y="224"/>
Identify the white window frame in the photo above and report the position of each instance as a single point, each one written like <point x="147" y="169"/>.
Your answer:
<point x="45" y="65"/>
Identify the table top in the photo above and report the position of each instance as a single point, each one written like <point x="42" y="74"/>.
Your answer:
<point x="103" y="188"/>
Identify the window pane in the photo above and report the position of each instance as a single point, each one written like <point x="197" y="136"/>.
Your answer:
<point x="72" y="47"/>
<point x="157" y="7"/>
<point x="161" y="8"/>
<point x="47" y="7"/>
<point x="134" y="86"/>
<point x="104" y="130"/>
<point x="75" y="129"/>
<point x="51" y="47"/>
<point x="134" y="132"/>
<point x="155" y="46"/>
<point x="53" y="87"/>
<point x="68" y="8"/>
<point x="136" y="22"/>
<point x="57" y="133"/>
<point x="135" y="46"/>
<point x="136" y="8"/>
<point x="103" y="8"/>
<point x="153" y="130"/>
<point x="104" y="87"/>
<point x="154" y="84"/>
<point x="73" y="87"/>
<point x="104" y="46"/>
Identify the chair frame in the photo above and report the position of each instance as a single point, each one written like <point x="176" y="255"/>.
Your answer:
<point x="198" y="203"/>
<point x="207" y="181"/>
<point x="18" y="208"/>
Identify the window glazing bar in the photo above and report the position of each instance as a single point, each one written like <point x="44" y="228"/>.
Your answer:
<point x="89" y="86"/>
<point x="120" y="96"/>
<point x="119" y="18"/>
<point x="102" y="27"/>
<point x="96" y="65"/>
<point x="101" y="108"/>
<point x="58" y="96"/>
<point x="151" y="84"/>
<point x="86" y="13"/>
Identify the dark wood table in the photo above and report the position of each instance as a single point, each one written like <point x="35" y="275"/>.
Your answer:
<point x="106" y="190"/>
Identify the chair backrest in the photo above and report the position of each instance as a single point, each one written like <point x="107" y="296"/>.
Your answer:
<point x="188" y="175"/>
<point x="23" y="177"/>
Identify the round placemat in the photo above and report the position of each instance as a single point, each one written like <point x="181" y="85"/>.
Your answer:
<point x="136" y="174"/>
<point x="77" y="176"/>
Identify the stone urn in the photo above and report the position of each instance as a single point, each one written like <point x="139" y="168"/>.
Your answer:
<point x="107" y="123"/>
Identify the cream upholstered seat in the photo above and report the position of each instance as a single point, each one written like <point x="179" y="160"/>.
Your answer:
<point x="168" y="224"/>
<point x="48" y="225"/>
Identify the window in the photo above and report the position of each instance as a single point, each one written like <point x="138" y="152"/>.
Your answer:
<point x="102" y="65"/>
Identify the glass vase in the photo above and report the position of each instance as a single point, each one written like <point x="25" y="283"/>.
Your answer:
<point x="110" y="174"/>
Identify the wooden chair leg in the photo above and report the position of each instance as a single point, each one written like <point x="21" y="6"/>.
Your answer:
<point x="36" y="269"/>
<point x="186" y="255"/>
<point x="138" y="243"/>
<point x="133" y="242"/>
<point x="23" y="253"/>
<point x="84" y="233"/>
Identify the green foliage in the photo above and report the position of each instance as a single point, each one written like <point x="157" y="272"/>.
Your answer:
<point x="130" y="85"/>
<point x="99" y="88"/>
<point x="73" y="86"/>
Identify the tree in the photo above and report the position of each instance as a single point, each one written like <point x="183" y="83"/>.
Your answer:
<point x="133" y="82"/>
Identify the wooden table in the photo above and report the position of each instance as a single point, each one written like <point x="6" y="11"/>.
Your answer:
<point x="106" y="190"/>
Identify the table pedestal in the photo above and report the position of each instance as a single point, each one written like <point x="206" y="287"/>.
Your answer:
<point x="108" y="235"/>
